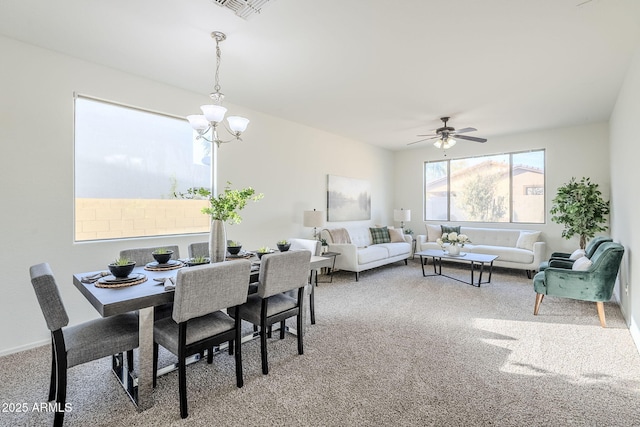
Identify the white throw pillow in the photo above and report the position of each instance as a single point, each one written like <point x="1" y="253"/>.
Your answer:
<point x="582" y="264"/>
<point x="396" y="235"/>
<point x="434" y="232"/>
<point x="527" y="239"/>
<point x="578" y="253"/>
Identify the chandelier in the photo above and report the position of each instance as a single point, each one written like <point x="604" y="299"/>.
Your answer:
<point x="213" y="115"/>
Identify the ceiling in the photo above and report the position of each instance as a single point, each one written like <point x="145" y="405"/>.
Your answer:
<point x="376" y="71"/>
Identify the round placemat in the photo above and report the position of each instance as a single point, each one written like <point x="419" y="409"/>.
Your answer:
<point x="136" y="280"/>
<point x="154" y="266"/>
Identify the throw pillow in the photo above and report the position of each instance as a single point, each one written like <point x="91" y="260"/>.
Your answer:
<point x="450" y="228"/>
<point x="380" y="235"/>
<point x="582" y="264"/>
<point x="527" y="239"/>
<point x="396" y="235"/>
<point x="578" y="253"/>
<point x="434" y="232"/>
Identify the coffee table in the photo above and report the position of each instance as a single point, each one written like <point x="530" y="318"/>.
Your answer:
<point x="475" y="259"/>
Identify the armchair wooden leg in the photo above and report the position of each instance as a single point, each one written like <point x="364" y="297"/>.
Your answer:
<point x="600" y="306"/>
<point x="539" y="298"/>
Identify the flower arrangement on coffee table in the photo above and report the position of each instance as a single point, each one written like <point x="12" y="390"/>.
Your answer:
<point x="453" y="239"/>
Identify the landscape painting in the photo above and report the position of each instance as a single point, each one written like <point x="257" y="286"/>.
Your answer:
<point x="348" y="199"/>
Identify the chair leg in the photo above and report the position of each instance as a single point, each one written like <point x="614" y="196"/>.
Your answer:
<point x="52" y="383"/>
<point x="539" y="298"/>
<point x="283" y="326"/>
<point x="130" y="360"/>
<point x="600" y="307"/>
<point x="182" y="386"/>
<point x="300" y="333"/>
<point x="210" y="356"/>
<point x="357" y="276"/>
<point x="230" y="348"/>
<point x="529" y="276"/>
<point x="238" y="340"/>
<point x="263" y="349"/>
<point x="155" y="364"/>
<point x="61" y="389"/>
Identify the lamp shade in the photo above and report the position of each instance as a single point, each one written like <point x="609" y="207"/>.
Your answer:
<point x="313" y="218"/>
<point x="213" y="113"/>
<point x="198" y="121"/>
<point x="402" y="214"/>
<point x="237" y="123"/>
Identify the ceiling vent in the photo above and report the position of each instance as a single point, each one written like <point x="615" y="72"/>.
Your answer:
<point x="243" y="8"/>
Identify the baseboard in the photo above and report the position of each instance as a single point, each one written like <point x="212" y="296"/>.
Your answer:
<point x="24" y="347"/>
<point x="635" y="333"/>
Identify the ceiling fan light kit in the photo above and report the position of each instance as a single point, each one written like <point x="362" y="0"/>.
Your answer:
<point x="444" y="136"/>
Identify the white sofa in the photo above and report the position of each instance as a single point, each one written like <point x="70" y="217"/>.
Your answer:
<point x="519" y="249"/>
<point x="361" y="254"/>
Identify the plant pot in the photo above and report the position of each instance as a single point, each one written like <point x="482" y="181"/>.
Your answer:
<point x="284" y="247"/>
<point x="260" y="254"/>
<point x="163" y="257"/>
<point x="234" y="250"/>
<point x="121" y="271"/>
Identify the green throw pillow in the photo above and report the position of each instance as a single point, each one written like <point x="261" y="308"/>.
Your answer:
<point x="380" y="235"/>
<point x="450" y="228"/>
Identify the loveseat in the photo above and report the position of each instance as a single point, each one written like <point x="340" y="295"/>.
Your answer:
<point x="519" y="249"/>
<point x="361" y="250"/>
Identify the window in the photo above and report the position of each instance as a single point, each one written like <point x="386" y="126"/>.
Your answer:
<point x="497" y="188"/>
<point x="129" y="164"/>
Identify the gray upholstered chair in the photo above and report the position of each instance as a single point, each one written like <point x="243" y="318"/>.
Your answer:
<point x="279" y="273"/>
<point x="199" y="249"/>
<point x="315" y="247"/>
<point x="78" y="344"/>
<point x="143" y="256"/>
<point x="197" y="323"/>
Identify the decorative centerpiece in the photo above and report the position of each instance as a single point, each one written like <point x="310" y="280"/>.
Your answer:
<point x="233" y="247"/>
<point x="263" y="251"/>
<point x="121" y="267"/>
<point x="222" y="208"/>
<point x="283" y="245"/>
<point x="454" y="242"/>
<point x="162" y="255"/>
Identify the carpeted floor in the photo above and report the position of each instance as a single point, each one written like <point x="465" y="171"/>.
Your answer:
<point x="391" y="349"/>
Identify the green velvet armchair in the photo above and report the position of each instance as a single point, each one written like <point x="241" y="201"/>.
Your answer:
<point x="594" y="284"/>
<point x="589" y="250"/>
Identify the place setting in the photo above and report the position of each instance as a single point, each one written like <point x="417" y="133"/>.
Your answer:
<point x="163" y="261"/>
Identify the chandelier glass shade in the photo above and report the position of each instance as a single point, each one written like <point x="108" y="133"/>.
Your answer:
<point x="213" y="115"/>
<point x="445" y="142"/>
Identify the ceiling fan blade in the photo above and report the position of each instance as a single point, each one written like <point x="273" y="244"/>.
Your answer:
<point x="421" y="140"/>
<point x="465" y="130"/>
<point x="428" y="135"/>
<point x="470" y="138"/>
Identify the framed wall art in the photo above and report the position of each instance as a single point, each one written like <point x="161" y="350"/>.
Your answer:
<point x="348" y="199"/>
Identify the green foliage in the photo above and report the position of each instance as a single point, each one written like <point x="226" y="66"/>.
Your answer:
<point x="579" y="206"/>
<point x="480" y="199"/>
<point x="161" y="251"/>
<point x="233" y="244"/>
<point x="199" y="259"/>
<point x="264" y="250"/>
<point x="225" y="206"/>
<point x="282" y="242"/>
<point x="121" y="261"/>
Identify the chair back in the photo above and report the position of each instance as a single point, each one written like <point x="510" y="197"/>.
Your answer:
<point x="48" y="296"/>
<point x="313" y="246"/>
<point x="593" y="245"/>
<point x="142" y="256"/>
<point x="199" y="249"/>
<point x="282" y="272"/>
<point x="208" y="288"/>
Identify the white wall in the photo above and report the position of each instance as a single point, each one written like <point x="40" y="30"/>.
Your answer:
<point x="570" y="152"/>
<point x="625" y="175"/>
<point x="285" y="161"/>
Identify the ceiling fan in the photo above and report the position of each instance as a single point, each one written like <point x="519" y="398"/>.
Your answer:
<point x="445" y="135"/>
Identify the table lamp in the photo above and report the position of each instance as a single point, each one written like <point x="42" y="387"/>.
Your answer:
<point x="402" y="215"/>
<point x="313" y="219"/>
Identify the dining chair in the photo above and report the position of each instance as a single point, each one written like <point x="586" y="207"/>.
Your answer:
<point x="199" y="249"/>
<point x="197" y="322"/>
<point x="78" y="344"/>
<point x="279" y="273"/>
<point x="315" y="248"/>
<point x="143" y="256"/>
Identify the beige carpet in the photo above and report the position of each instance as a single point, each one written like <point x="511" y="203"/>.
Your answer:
<point x="392" y="349"/>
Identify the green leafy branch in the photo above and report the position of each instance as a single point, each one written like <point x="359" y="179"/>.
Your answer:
<point x="226" y="205"/>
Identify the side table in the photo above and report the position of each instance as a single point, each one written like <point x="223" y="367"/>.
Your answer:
<point x="329" y="269"/>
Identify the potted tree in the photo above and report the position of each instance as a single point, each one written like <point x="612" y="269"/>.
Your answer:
<point x="579" y="206"/>
<point x="222" y="208"/>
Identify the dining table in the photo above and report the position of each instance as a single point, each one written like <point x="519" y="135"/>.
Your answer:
<point x="143" y="297"/>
